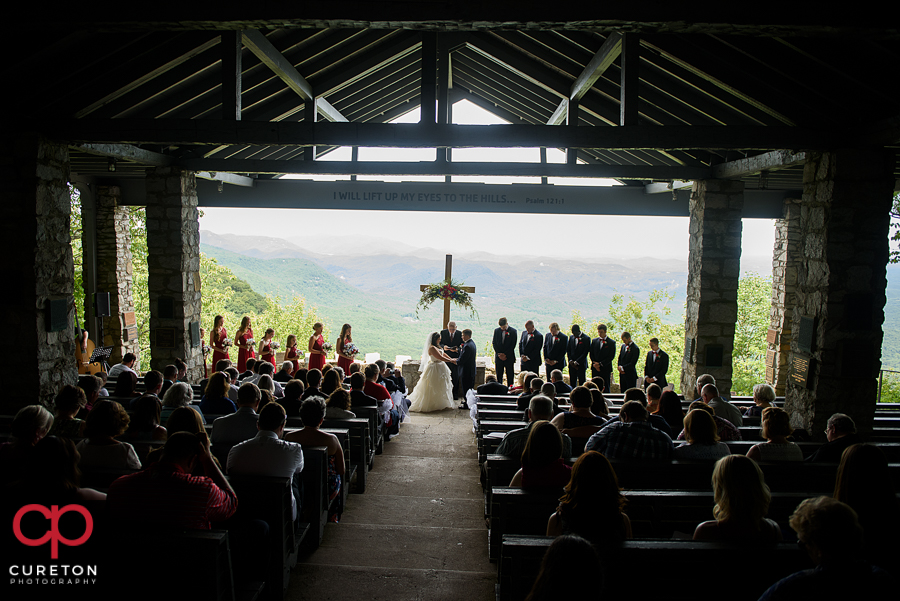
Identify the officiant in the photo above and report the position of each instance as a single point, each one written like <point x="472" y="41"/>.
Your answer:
<point x="451" y="341"/>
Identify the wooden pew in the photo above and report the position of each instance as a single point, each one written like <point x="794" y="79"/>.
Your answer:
<point x="359" y="448"/>
<point x="343" y="436"/>
<point x="315" y="494"/>
<point x="656" y="569"/>
<point x="376" y="432"/>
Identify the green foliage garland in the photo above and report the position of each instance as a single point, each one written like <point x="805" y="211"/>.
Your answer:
<point x="447" y="289"/>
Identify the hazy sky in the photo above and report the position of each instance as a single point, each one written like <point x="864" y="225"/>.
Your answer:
<point x="573" y="235"/>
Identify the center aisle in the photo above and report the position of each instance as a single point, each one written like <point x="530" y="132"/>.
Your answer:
<point x="418" y="531"/>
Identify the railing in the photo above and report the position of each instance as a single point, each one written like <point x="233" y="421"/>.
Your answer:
<point x="881" y="381"/>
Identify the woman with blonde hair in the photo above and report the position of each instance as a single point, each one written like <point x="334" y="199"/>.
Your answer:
<point x="742" y="502"/>
<point x="291" y="354"/>
<point x="763" y="396"/>
<point x="702" y="439"/>
<point x="243" y="339"/>
<point x="776" y="427"/>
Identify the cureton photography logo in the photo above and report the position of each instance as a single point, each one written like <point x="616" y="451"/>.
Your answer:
<point x="52" y="573"/>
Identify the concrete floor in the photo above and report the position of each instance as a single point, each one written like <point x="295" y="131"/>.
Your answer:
<point x="418" y="531"/>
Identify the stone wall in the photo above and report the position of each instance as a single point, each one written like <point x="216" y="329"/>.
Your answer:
<point x="173" y="262"/>
<point x="786" y="263"/>
<point x="115" y="271"/>
<point x="714" y="265"/>
<point x="38" y="268"/>
<point x="844" y="223"/>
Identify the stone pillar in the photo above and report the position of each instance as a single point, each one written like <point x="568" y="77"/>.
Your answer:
<point x="714" y="266"/>
<point x="786" y="261"/>
<point x="173" y="261"/>
<point x="38" y="269"/>
<point x="844" y="223"/>
<point x="114" y="271"/>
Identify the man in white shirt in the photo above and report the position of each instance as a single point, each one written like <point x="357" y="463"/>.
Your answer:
<point x="127" y="364"/>
<point x="266" y="454"/>
<point x="230" y="430"/>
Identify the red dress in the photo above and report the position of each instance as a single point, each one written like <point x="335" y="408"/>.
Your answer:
<point x="317" y="361"/>
<point x="219" y="349"/>
<point x="292" y="356"/>
<point x="344" y="363"/>
<point x="270" y="357"/>
<point x="244" y="354"/>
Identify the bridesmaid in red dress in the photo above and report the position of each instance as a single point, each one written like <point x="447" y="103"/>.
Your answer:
<point x="316" y="342"/>
<point x="291" y="354"/>
<point x="242" y="340"/>
<point x="266" y="352"/>
<point x="344" y="361"/>
<point x="217" y="339"/>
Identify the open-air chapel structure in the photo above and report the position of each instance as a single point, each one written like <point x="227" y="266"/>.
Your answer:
<point x="720" y="114"/>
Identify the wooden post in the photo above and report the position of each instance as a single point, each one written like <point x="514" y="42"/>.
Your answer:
<point x="448" y="268"/>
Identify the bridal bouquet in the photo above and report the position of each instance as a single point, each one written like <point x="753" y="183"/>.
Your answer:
<point x="275" y="346"/>
<point x="228" y="342"/>
<point x="351" y="350"/>
<point x="327" y="347"/>
<point x="250" y="342"/>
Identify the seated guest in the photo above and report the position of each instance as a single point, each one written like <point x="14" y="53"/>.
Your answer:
<point x="126" y="386"/>
<point x="216" y="400"/>
<point x="599" y="406"/>
<point x="654" y="393"/>
<point x="266" y="369"/>
<point x="520" y="386"/>
<point x="313" y="381"/>
<point x="832" y="536"/>
<point x="776" y="427"/>
<point x="331" y="382"/>
<point x="710" y="395"/>
<point x="725" y="430"/>
<point x="170" y="376"/>
<point x="284" y="374"/>
<point x="540" y="408"/>
<point x="100" y="450"/>
<point x="358" y="398"/>
<point x="104" y="377"/>
<point x="266" y="454"/>
<point x="127" y="365"/>
<point x="763" y="396"/>
<point x="658" y="422"/>
<point x="400" y="381"/>
<point x="669" y="409"/>
<point x="52" y="477"/>
<point x="338" y="406"/>
<point x="841" y="433"/>
<point x="598" y="382"/>
<point x="153" y="381"/>
<point x="301" y="374"/>
<point x="491" y="386"/>
<point x="92" y="386"/>
<point x="178" y="395"/>
<point x="592" y="506"/>
<point x="144" y="426"/>
<point x="632" y="437"/>
<point x="742" y="502"/>
<point x="312" y="413"/>
<point x="266" y="397"/>
<point x="556" y="378"/>
<point x="385" y="404"/>
<point x="385" y="378"/>
<point x="182" y="370"/>
<point x="534" y="388"/>
<point x="239" y="426"/>
<point x="28" y="427"/>
<point x="542" y="464"/>
<point x="579" y="422"/>
<point x="703" y="380"/>
<point x="865" y="483"/>
<point x="293" y="390"/>
<point x="570" y="564"/>
<point x="702" y="441"/>
<point x="184" y="419"/>
<point x="69" y="401"/>
<point x="549" y="391"/>
<point x="266" y="383"/>
<point x="165" y="493"/>
<point x="232" y="374"/>
<point x="251" y="364"/>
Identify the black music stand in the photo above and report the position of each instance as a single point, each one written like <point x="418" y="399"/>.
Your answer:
<point x="101" y="355"/>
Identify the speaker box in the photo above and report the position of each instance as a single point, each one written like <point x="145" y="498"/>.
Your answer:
<point x="101" y="304"/>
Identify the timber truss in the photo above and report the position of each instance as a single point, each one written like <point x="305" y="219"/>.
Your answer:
<point x="629" y="98"/>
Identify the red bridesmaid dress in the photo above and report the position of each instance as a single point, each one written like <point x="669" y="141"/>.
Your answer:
<point x="344" y="363"/>
<point x="219" y="349"/>
<point x="244" y="354"/>
<point x="268" y="349"/>
<point x="292" y="356"/>
<point x="317" y="361"/>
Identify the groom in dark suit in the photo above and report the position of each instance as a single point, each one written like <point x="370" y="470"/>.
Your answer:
<point x="466" y="363"/>
<point x="505" y="351"/>
<point x="554" y="350"/>
<point x="530" y="348"/>
<point x="451" y="340"/>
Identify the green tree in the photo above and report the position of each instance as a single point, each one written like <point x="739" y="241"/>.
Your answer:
<point x="294" y="318"/>
<point x="75" y="231"/>
<point x="216" y="292"/>
<point x="895" y="227"/>
<point x="140" y="293"/>
<point x="748" y="358"/>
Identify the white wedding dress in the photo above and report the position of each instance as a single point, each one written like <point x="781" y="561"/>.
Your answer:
<point x="434" y="390"/>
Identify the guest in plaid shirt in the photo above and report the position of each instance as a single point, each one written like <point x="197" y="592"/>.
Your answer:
<point x="632" y="437"/>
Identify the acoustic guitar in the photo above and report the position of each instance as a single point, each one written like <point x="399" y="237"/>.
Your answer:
<point x="84" y="349"/>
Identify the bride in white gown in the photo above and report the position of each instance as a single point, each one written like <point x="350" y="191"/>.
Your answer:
<point x="434" y="390"/>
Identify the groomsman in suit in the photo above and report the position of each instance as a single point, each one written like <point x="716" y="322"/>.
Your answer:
<point x="554" y="350"/>
<point x="628" y="358"/>
<point x="451" y="340"/>
<point x="530" y="348"/>
<point x="603" y="351"/>
<point x="577" y="350"/>
<point x="466" y="364"/>
<point x="504" y="351"/>
<point x="656" y="366"/>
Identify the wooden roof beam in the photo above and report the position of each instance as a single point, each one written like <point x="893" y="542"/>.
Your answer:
<point x="127" y="152"/>
<point x="227" y="178"/>
<point x="606" y="56"/>
<point x="768" y="161"/>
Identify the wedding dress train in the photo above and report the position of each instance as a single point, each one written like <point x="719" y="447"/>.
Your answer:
<point x="434" y="390"/>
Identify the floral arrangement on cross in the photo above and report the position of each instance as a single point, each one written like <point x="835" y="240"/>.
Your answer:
<point x="449" y="291"/>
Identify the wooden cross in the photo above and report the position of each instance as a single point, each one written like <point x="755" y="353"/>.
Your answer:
<point x="447" y="270"/>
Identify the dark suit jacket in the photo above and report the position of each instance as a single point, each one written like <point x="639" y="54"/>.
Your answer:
<point x="466" y="363"/>
<point x="555" y="350"/>
<point x="603" y="353"/>
<point x="578" y="352"/>
<point x="358" y="398"/>
<point x="628" y="359"/>
<point x="448" y="340"/>
<point x="532" y="349"/>
<point x="508" y="347"/>
<point x="492" y="388"/>
<point x="657" y="369"/>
